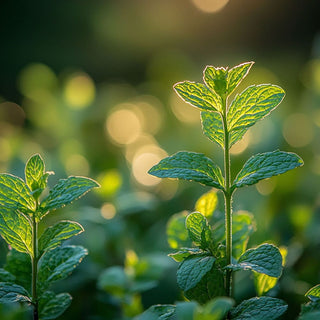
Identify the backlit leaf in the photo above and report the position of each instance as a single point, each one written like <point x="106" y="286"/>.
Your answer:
<point x="34" y="171"/>
<point x="198" y="95"/>
<point x="215" y="309"/>
<point x="237" y="74"/>
<point x="266" y="165"/>
<point x="216" y="79"/>
<point x="265" y="259"/>
<point x="16" y="230"/>
<point x="212" y="127"/>
<point x="51" y="306"/>
<point x="193" y="269"/>
<point x="189" y="166"/>
<point x="11" y="292"/>
<point x="58" y="263"/>
<point x="177" y="233"/>
<point x="314" y="292"/>
<point x="66" y="191"/>
<point x="55" y="235"/>
<point x="14" y="194"/>
<point x="198" y="229"/>
<point x="263" y="308"/>
<point x="207" y="203"/>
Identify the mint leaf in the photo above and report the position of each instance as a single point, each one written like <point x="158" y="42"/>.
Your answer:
<point x="210" y="286"/>
<point x="314" y="292"/>
<point x="193" y="269"/>
<point x="215" y="309"/>
<point x="263" y="283"/>
<point x="19" y="265"/>
<point x="66" y="191"/>
<point x="189" y="166"/>
<point x="55" y="235"/>
<point x="263" y="308"/>
<point x="14" y="194"/>
<point x="198" y="95"/>
<point x="51" y="306"/>
<point x="185" y="310"/>
<point x="266" y="259"/>
<point x="216" y="79"/>
<point x="212" y="127"/>
<point x="207" y="203"/>
<point x="253" y="104"/>
<point x="58" y="263"/>
<point x="6" y="276"/>
<point x="158" y="312"/>
<point x="266" y="165"/>
<point x="114" y="280"/>
<point x="198" y="229"/>
<point x="10" y="292"/>
<point x="237" y="74"/>
<point x="176" y="231"/>
<point x="184" y="253"/>
<point x="312" y="315"/>
<point x="16" y="230"/>
<point x="34" y="171"/>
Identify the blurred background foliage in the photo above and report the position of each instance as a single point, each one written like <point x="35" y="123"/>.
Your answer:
<point x="88" y="84"/>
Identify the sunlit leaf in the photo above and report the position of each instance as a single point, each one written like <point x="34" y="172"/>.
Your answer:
<point x="16" y="230"/>
<point x="198" y="95"/>
<point x="198" y="229"/>
<point x="314" y="292"/>
<point x="216" y="79"/>
<point x="212" y="127"/>
<point x="193" y="269"/>
<point x="215" y="309"/>
<point x="51" y="306"/>
<point x="207" y="203"/>
<point x="266" y="165"/>
<point x="34" y="171"/>
<point x="14" y="194"/>
<point x="184" y="253"/>
<point x="11" y="292"/>
<point x="176" y="231"/>
<point x="189" y="166"/>
<point x="55" y="235"/>
<point x="237" y="74"/>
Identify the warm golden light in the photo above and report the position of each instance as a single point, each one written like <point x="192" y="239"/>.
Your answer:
<point x="123" y="126"/>
<point x="108" y="211"/>
<point x="143" y="140"/>
<point x="77" y="165"/>
<point x="183" y="111"/>
<point x="266" y="187"/>
<point x="242" y="145"/>
<point x="210" y="6"/>
<point x="79" y="91"/>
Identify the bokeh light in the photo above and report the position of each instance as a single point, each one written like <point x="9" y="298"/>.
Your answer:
<point x="110" y="182"/>
<point x="77" y="165"/>
<point x="108" y="211"/>
<point x="184" y="112"/>
<point x="210" y="6"/>
<point x="267" y="186"/>
<point x="241" y="145"/>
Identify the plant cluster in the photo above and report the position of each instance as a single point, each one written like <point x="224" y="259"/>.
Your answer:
<point x="36" y="261"/>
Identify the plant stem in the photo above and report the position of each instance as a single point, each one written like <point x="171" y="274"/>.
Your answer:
<point x="228" y="200"/>
<point x="34" y="267"/>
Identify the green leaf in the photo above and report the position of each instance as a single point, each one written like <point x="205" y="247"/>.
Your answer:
<point x="215" y="309"/>
<point x="6" y="276"/>
<point x="52" y="306"/>
<point x="210" y="286"/>
<point x="263" y="308"/>
<point x="309" y="309"/>
<point x="176" y="231"/>
<point x="198" y="229"/>
<point x="184" y="253"/>
<point x="193" y="269"/>
<point x="265" y="259"/>
<point x="212" y="127"/>
<point x="158" y="312"/>
<point x="207" y="203"/>
<point x="66" y="191"/>
<point x="34" y="171"/>
<point x="19" y="265"/>
<point x="185" y="310"/>
<point x="314" y="292"/>
<point x="253" y="104"/>
<point x="189" y="166"/>
<point x="313" y="315"/>
<point x="11" y="292"/>
<point x="216" y="79"/>
<point x="243" y="226"/>
<point x="16" y="230"/>
<point x="14" y="194"/>
<point x="58" y="263"/>
<point x="55" y="235"/>
<point x="198" y="95"/>
<point x="237" y="74"/>
<point x="265" y="165"/>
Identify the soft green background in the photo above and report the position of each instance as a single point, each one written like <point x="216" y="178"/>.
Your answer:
<point x="88" y="84"/>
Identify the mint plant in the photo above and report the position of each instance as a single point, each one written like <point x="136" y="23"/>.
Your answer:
<point x="206" y="269"/>
<point x="35" y="261"/>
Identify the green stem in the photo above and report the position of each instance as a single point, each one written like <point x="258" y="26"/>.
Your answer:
<point x="228" y="200"/>
<point x="34" y="267"/>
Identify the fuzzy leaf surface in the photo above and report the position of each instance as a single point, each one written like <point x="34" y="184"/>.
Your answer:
<point x="265" y="259"/>
<point x="16" y="230"/>
<point x="11" y="292"/>
<point x="158" y="312"/>
<point x="216" y="79"/>
<point x="34" y="171"/>
<point x="14" y="194"/>
<point x="66" y="191"/>
<point x="51" y="306"/>
<point x="265" y="165"/>
<point x="192" y="270"/>
<point x="58" y="263"/>
<point x="263" y="308"/>
<point x="314" y="292"/>
<point x="237" y="74"/>
<point x="253" y="104"/>
<point x="198" y="95"/>
<point x="55" y="235"/>
<point x="212" y="127"/>
<point x="189" y="166"/>
<point x="198" y="229"/>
